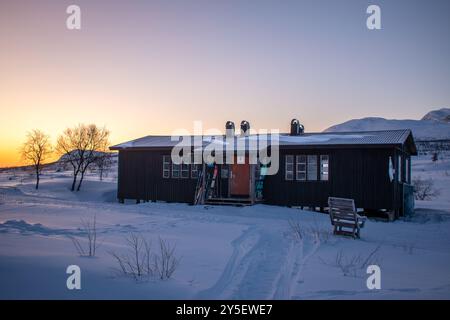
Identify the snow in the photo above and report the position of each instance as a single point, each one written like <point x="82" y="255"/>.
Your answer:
<point x="442" y="115"/>
<point x="433" y="126"/>
<point x="318" y="138"/>
<point x="225" y="252"/>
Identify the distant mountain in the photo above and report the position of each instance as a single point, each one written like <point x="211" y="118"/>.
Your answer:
<point x="435" y="125"/>
<point x="441" y="115"/>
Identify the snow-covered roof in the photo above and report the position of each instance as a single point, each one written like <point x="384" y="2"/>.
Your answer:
<point x="386" y="137"/>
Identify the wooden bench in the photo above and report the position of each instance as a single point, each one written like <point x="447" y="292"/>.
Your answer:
<point x="343" y="215"/>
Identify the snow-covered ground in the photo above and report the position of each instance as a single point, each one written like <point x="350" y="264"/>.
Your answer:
<point x="225" y="252"/>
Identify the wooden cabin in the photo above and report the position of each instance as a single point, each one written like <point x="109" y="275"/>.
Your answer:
<point x="373" y="168"/>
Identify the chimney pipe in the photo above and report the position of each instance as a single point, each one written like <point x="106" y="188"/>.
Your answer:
<point x="296" y="128"/>
<point x="245" y="128"/>
<point x="229" y="129"/>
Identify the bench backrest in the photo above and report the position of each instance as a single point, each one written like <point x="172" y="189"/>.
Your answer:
<point x="342" y="209"/>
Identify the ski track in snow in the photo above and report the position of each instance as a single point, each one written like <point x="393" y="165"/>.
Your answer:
<point x="254" y="270"/>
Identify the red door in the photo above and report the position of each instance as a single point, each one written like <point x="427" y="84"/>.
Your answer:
<point x="240" y="179"/>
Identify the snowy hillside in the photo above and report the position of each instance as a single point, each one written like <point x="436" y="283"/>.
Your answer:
<point x="434" y="127"/>
<point x="442" y="115"/>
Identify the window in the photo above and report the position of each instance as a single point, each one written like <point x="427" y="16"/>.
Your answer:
<point x="184" y="171"/>
<point x="307" y="167"/>
<point x="175" y="170"/>
<point x="301" y="168"/>
<point x="194" y="171"/>
<point x="399" y="175"/>
<point x="324" y="167"/>
<point x="166" y="166"/>
<point x="289" y="168"/>
<point x="312" y="167"/>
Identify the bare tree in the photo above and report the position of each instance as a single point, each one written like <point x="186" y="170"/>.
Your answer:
<point x="103" y="164"/>
<point x="81" y="146"/>
<point x="36" y="150"/>
<point x="424" y="189"/>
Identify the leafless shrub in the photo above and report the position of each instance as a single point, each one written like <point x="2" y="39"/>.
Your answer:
<point x="137" y="262"/>
<point x="2" y="198"/>
<point x="408" y="247"/>
<point x="89" y="228"/>
<point x="316" y="232"/>
<point x="166" y="262"/>
<point x="323" y="235"/>
<point x="354" y="265"/>
<point x="424" y="189"/>
<point x="297" y="231"/>
<point x="140" y="263"/>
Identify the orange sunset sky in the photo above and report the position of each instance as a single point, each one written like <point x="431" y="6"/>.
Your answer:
<point x="150" y="67"/>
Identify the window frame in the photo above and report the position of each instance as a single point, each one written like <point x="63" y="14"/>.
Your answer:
<point x="176" y="168"/>
<point x="315" y="164"/>
<point x="286" y="170"/>
<point x="321" y="164"/>
<point x="184" y="168"/>
<point x="194" y="168"/>
<point x="169" y="163"/>
<point x="299" y="163"/>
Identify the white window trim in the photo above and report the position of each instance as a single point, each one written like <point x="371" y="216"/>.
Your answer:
<point x="166" y="170"/>
<point x="308" y="167"/>
<point x="186" y="169"/>
<point x="322" y="167"/>
<point x="297" y="171"/>
<point x="286" y="171"/>
<point x="176" y="170"/>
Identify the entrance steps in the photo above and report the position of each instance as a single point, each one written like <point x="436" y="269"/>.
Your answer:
<point x="230" y="201"/>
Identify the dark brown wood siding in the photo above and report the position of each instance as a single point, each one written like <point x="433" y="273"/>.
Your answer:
<point x="357" y="173"/>
<point x="360" y="174"/>
<point x="141" y="178"/>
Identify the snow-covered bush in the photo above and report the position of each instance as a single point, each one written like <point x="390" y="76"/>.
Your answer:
<point x="424" y="189"/>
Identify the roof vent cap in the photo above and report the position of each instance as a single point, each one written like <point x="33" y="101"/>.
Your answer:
<point x="229" y="129"/>
<point x="296" y="128"/>
<point x="245" y="128"/>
